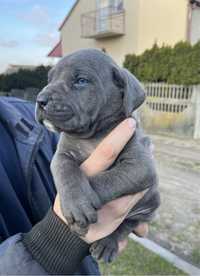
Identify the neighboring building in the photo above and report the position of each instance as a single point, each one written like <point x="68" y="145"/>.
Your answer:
<point x="194" y="22"/>
<point x="120" y="27"/>
<point x="14" y="68"/>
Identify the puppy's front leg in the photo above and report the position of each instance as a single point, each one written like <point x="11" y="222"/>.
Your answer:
<point x="127" y="177"/>
<point x="79" y="202"/>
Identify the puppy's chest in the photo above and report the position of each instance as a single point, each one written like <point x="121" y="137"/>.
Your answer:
<point x="80" y="148"/>
<point x="85" y="148"/>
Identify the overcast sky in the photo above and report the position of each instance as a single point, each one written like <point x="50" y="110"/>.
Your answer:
<point x="29" y="30"/>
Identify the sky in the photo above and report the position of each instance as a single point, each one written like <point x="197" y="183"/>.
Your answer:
<point x="29" y="30"/>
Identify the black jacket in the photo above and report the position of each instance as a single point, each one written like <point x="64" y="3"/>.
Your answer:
<point x="27" y="190"/>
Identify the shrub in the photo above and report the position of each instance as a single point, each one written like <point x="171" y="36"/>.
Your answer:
<point x="177" y="65"/>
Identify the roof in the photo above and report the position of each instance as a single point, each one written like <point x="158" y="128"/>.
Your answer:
<point x="68" y="15"/>
<point x="56" y="51"/>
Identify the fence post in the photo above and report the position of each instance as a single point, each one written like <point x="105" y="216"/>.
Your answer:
<point x="197" y="111"/>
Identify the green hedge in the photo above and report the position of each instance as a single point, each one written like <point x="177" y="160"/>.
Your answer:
<point x="25" y="78"/>
<point x="177" y="65"/>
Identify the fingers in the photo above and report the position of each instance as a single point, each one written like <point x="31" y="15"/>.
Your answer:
<point x="123" y="205"/>
<point x="108" y="150"/>
<point x="117" y="209"/>
<point x="135" y="199"/>
<point x="122" y="245"/>
<point x="141" y="230"/>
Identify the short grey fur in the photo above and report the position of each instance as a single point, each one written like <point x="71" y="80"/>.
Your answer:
<point x="87" y="95"/>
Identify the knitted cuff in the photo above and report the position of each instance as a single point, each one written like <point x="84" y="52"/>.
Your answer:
<point x="54" y="246"/>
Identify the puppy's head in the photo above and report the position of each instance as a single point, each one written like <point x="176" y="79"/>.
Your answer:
<point x="87" y="92"/>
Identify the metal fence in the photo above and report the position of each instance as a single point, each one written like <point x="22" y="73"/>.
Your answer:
<point x="172" y="108"/>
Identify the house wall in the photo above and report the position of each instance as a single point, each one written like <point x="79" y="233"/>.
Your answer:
<point x="117" y="47"/>
<point x="162" y="21"/>
<point x="71" y="31"/>
<point x="146" y="21"/>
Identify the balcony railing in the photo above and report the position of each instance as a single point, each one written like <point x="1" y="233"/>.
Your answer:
<point x="105" y="22"/>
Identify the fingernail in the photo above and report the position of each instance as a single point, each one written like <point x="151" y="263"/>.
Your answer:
<point x="132" y="123"/>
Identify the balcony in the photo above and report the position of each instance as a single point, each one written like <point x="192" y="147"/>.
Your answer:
<point x="102" y="23"/>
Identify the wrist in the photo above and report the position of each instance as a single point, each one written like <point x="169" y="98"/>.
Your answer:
<point x="54" y="246"/>
<point x="57" y="210"/>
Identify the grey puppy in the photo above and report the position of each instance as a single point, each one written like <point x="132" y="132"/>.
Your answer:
<point x="88" y="95"/>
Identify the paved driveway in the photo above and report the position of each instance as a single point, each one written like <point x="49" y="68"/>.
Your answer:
<point x="177" y="225"/>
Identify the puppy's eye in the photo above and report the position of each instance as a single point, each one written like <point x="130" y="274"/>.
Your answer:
<point x="81" y="82"/>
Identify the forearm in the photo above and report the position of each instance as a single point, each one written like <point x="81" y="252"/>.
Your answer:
<point x="49" y="248"/>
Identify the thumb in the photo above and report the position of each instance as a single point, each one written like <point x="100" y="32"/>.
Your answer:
<point x="109" y="149"/>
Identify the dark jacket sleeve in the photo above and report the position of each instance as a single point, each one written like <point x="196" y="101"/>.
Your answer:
<point x="49" y="248"/>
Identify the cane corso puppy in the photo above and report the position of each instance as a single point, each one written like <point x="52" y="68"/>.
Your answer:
<point x="88" y="95"/>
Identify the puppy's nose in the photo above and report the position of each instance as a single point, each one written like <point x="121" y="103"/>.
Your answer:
<point x="42" y="100"/>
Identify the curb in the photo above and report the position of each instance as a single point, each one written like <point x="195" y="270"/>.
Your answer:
<point x="167" y="255"/>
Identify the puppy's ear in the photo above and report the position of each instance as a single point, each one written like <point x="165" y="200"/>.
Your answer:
<point x="134" y="94"/>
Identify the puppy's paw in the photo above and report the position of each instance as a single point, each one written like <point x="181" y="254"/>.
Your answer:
<point x="81" y="231"/>
<point x="79" y="213"/>
<point x="79" y="204"/>
<point x="106" y="249"/>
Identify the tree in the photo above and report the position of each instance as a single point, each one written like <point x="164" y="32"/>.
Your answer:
<point x="25" y="78"/>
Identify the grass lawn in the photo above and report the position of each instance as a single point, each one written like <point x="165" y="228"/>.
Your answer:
<point x="137" y="260"/>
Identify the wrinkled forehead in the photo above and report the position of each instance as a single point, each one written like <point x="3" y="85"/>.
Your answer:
<point x="86" y="60"/>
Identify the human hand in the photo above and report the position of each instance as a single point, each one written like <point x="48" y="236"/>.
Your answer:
<point x="111" y="215"/>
